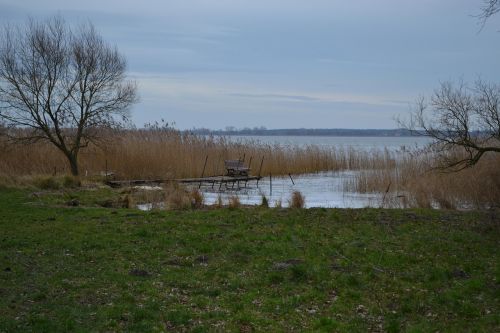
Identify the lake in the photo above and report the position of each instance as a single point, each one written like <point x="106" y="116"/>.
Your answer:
<point x="323" y="189"/>
<point x="363" y="143"/>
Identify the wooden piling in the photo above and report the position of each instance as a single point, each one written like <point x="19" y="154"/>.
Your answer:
<point x="203" y="172"/>
<point x="260" y="169"/>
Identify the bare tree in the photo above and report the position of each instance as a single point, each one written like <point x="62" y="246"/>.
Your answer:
<point x="464" y="123"/>
<point x="61" y="86"/>
<point x="488" y="9"/>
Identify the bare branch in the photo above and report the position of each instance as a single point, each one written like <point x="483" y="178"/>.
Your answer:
<point x="487" y="10"/>
<point x="464" y="123"/>
<point x="61" y="85"/>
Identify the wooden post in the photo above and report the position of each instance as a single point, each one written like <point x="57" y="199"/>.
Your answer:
<point x="260" y="169"/>
<point x="385" y="194"/>
<point x="249" y="167"/>
<point x="289" y="175"/>
<point x="203" y="172"/>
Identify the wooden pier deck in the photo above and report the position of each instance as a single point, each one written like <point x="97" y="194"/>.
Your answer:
<point x="219" y="179"/>
<point x="212" y="180"/>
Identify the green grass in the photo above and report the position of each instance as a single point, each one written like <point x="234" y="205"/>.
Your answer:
<point x="88" y="268"/>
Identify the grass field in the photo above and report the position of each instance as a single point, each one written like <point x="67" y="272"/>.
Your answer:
<point x="89" y="268"/>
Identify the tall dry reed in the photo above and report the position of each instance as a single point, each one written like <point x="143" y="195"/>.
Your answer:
<point x="169" y="154"/>
<point x="413" y="182"/>
<point x="405" y="179"/>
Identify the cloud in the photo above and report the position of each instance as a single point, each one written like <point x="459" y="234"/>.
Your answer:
<point x="193" y="87"/>
<point x="297" y="98"/>
<point x="353" y="62"/>
<point x="345" y="61"/>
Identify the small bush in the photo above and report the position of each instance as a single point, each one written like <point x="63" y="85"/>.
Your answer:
<point x="71" y="182"/>
<point x="197" y="199"/>
<point x="47" y="183"/>
<point x="8" y="182"/>
<point x="297" y="200"/>
<point x="128" y="201"/>
<point x="108" y="203"/>
<point x="234" y="202"/>
<point x="177" y="197"/>
<point x="264" y="203"/>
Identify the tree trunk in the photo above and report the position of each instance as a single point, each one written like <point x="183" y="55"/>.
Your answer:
<point x="73" y="163"/>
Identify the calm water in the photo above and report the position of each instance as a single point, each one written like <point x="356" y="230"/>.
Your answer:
<point x="324" y="189"/>
<point x="358" y="143"/>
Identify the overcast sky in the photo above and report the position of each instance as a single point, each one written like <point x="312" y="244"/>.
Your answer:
<point x="284" y="64"/>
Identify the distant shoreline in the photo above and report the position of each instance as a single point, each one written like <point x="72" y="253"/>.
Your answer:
<point x="334" y="132"/>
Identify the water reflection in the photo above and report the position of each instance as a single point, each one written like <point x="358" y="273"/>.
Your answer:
<point x="320" y="190"/>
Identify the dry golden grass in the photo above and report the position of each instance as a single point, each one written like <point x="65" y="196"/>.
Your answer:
<point x="169" y="154"/>
<point x="234" y="202"/>
<point x="176" y="197"/>
<point x="162" y="153"/>
<point x="297" y="200"/>
<point x="197" y="198"/>
<point x="412" y="182"/>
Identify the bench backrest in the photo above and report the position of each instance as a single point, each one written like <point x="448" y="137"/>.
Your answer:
<point x="233" y="164"/>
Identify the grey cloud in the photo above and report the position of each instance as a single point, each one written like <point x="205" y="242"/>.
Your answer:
<point x="297" y="98"/>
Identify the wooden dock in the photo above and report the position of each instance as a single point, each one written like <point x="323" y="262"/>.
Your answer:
<point x="212" y="180"/>
<point x="236" y="173"/>
<point x="219" y="179"/>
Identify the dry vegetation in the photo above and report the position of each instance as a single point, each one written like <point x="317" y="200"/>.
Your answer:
<point x="168" y="154"/>
<point x="297" y="200"/>
<point x="404" y="178"/>
<point x="413" y="182"/>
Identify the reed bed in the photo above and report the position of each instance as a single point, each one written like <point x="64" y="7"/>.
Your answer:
<point x="169" y="154"/>
<point x="413" y="182"/>
<point x="405" y="179"/>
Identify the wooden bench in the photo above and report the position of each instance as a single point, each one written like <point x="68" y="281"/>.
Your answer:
<point x="235" y="168"/>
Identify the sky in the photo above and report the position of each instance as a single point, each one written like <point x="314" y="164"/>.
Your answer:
<point x="284" y="64"/>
